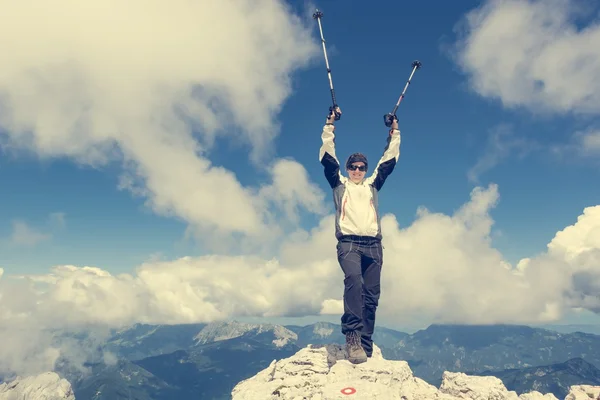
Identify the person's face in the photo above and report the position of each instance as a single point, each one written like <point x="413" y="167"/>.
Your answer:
<point x="357" y="171"/>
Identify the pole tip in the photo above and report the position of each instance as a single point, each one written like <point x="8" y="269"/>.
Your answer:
<point x="416" y="64"/>
<point x="317" y="14"/>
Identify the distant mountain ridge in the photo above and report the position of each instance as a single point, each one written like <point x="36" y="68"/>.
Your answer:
<point x="143" y="340"/>
<point x="477" y="348"/>
<point x="554" y="378"/>
<point x="571" y="328"/>
<point x="229" y="330"/>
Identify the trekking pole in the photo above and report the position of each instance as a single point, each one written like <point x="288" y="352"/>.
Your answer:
<point x="389" y="118"/>
<point x="318" y="15"/>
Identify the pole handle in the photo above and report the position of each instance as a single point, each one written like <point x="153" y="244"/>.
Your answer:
<point x="389" y="118"/>
<point x="332" y="109"/>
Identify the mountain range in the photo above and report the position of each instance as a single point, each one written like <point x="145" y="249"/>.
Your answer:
<point x="206" y="361"/>
<point x="554" y="378"/>
<point x="478" y="348"/>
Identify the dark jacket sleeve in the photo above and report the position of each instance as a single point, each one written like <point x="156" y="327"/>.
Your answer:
<point x="387" y="162"/>
<point x="327" y="156"/>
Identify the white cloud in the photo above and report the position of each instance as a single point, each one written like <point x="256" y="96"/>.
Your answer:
<point x="531" y="53"/>
<point x="577" y="240"/>
<point x="332" y="306"/>
<point x="573" y="260"/>
<point x="26" y="349"/>
<point x="152" y="86"/>
<point x="292" y="188"/>
<point x="441" y="268"/>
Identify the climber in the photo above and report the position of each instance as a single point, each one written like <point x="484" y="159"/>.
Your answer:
<point x="358" y="231"/>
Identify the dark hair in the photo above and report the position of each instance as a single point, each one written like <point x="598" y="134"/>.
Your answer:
<point x="356" y="157"/>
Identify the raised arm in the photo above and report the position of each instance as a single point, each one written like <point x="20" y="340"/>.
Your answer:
<point x="327" y="155"/>
<point x="387" y="162"/>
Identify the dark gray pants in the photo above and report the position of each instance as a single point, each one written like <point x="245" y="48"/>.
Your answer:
<point x="361" y="259"/>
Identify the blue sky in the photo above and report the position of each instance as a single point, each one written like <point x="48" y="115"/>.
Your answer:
<point x="529" y="149"/>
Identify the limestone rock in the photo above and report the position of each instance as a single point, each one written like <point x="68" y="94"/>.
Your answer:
<point x="46" y="386"/>
<point x="322" y="372"/>
<point x="584" y="392"/>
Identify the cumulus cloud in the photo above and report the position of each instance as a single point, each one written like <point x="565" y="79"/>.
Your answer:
<point x="151" y="85"/>
<point x="441" y="268"/>
<point x="292" y="188"/>
<point x="532" y="54"/>
<point x="573" y="257"/>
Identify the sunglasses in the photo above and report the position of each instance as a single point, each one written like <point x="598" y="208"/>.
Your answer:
<point x="361" y="168"/>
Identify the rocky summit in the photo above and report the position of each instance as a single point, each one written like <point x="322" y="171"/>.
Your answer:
<point x="46" y="386"/>
<point x="322" y="372"/>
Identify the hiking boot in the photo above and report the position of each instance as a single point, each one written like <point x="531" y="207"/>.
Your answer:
<point x="356" y="353"/>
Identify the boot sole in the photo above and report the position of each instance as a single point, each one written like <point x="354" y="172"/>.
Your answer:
<point x="357" y="360"/>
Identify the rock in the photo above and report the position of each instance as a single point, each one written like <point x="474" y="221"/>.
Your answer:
<point x="46" y="386"/>
<point x="322" y="372"/>
<point x="584" y="392"/>
<point x="463" y="386"/>
<point x="537" y="396"/>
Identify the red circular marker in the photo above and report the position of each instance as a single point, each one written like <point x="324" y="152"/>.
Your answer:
<point x="348" y="390"/>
